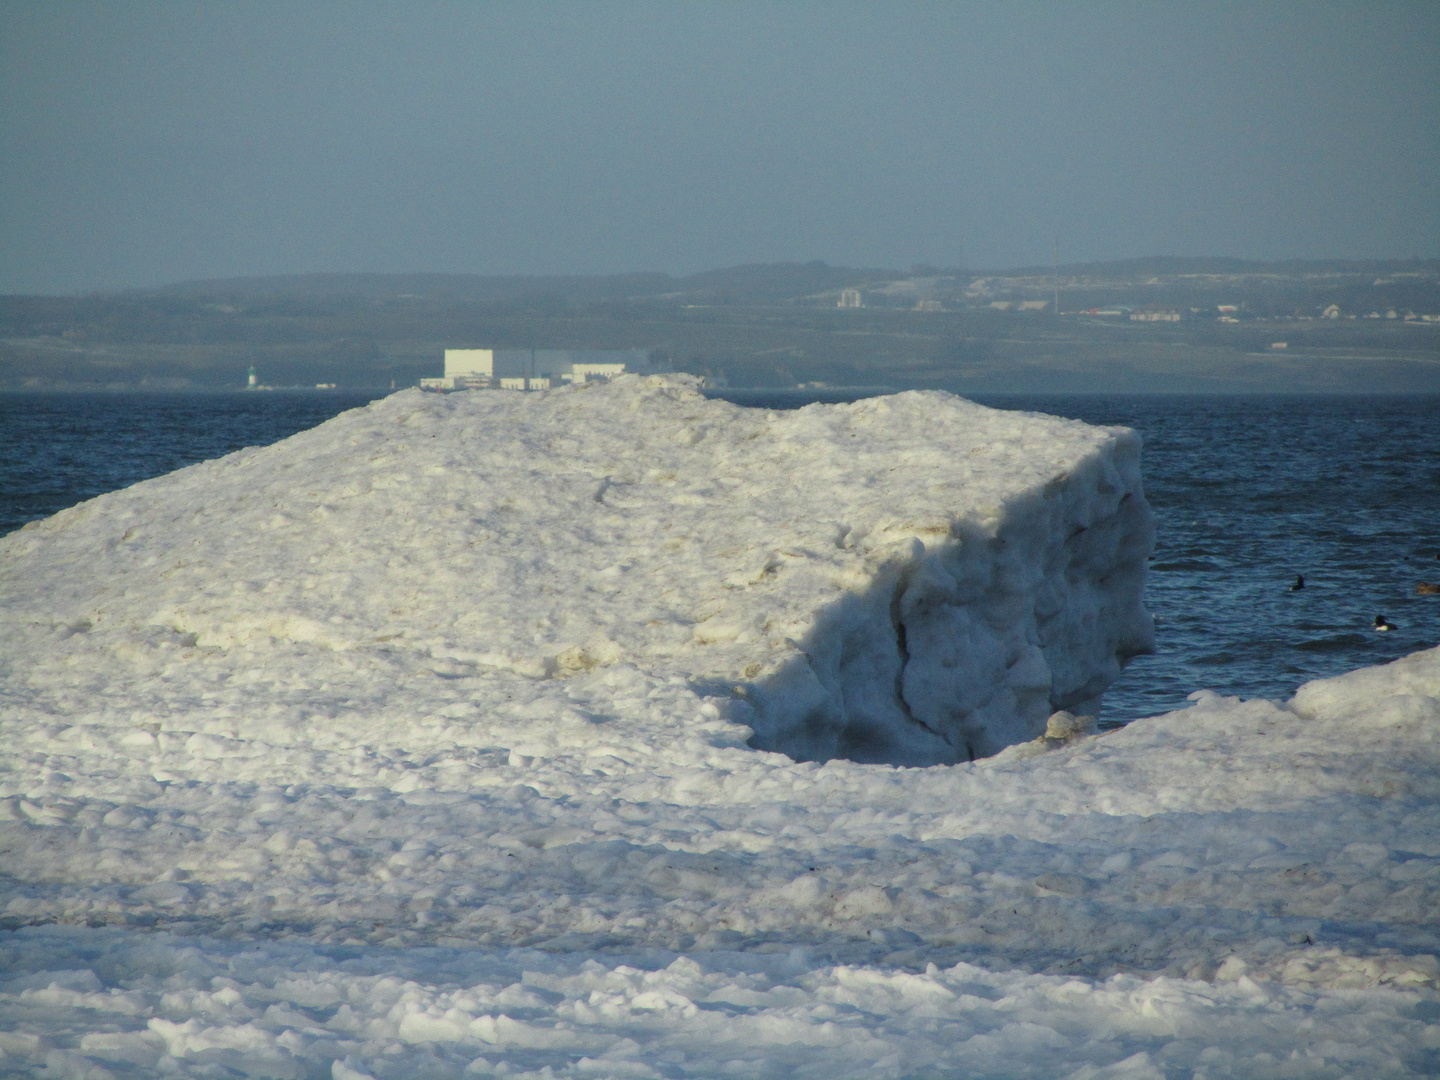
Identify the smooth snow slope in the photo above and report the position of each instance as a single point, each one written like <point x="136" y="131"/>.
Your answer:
<point x="413" y="747"/>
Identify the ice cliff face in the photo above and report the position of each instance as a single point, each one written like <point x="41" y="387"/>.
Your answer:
<point x="913" y="579"/>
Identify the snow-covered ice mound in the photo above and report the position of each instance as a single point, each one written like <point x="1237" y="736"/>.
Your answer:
<point x="913" y="579"/>
<point x="424" y="744"/>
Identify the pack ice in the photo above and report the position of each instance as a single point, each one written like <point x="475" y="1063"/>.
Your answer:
<point x="564" y="734"/>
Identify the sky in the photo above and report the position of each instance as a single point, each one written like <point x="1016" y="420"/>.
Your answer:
<point x="145" y="143"/>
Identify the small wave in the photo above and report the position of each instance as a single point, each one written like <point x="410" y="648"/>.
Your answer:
<point x="1216" y="659"/>
<point x="1334" y="644"/>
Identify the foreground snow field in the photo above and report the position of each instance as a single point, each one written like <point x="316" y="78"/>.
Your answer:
<point x="442" y="741"/>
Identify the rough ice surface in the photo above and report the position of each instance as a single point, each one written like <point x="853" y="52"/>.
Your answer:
<point x="914" y="579"/>
<point x="440" y="741"/>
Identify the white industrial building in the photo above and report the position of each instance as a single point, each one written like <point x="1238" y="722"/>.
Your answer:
<point x="532" y="369"/>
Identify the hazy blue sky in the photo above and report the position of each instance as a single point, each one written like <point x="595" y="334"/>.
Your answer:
<point x="143" y="143"/>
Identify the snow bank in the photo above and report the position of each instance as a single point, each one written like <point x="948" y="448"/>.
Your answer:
<point x="413" y="746"/>
<point x="913" y="579"/>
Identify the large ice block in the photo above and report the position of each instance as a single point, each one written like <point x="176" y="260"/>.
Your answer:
<point x="912" y="579"/>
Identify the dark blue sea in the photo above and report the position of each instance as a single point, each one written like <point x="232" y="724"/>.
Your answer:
<point x="1248" y="492"/>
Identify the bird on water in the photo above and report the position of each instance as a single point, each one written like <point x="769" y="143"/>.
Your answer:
<point x="1299" y="583"/>
<point x="1382" y="624"/>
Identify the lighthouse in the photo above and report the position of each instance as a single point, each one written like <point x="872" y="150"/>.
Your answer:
<point x="251" y="384"/>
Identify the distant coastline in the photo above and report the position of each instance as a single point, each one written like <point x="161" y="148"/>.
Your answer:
<point x="1137" y="326"/>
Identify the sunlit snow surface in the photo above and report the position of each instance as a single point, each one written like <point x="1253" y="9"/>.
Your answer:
<point x="420" y="745"/>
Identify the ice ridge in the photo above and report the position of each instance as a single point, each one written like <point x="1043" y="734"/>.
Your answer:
<point x="913" y="579"/>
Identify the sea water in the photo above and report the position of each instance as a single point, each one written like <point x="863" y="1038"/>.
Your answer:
<point x="1248" y="492"/>
<point x="58" y="449"/>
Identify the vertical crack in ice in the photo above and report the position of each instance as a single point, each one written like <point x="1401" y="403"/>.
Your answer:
<point x="902" y="647"/>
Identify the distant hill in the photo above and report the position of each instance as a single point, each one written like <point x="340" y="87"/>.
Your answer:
<point x="757" y="283"/>
<point x="429" y="286"/>
<point x="1175" y="266"/>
